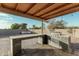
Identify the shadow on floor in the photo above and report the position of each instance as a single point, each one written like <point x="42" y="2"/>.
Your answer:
<point x="44" y="52"/>
<point x="75" y="46"/>
<point x="37" y="52"/>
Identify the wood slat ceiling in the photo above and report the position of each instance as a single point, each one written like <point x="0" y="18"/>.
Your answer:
<point x="37" y="8"/>
<point x="75" y="9"/>
<point x="40" y="11"/>
<point x="50" y="8"/>
<point x="24" y="7"/>
<point x="68" y="6"/>
<point x="10" y="5"/>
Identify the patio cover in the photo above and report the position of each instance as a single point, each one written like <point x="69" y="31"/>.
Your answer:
<point x="39" y="11"/>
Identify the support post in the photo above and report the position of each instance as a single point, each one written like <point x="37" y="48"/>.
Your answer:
<point x="44" y="36"/>
<point x="42" y="27"/>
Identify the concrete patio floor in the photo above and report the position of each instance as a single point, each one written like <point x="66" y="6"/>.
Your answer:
<point x="32" y="48"/>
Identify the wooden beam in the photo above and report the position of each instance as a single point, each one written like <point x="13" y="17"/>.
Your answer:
<point x="23" y="7"/>
<point x="63" y="8"/>
<point x="75" y="9"/>
<point x="0" y="4"/>
<point x="37" y="7"/>
<point x="9" y="5"/>
<point x="48" y="13"/>
<point x="5" y="10"/>
<point x="48" y="9"/>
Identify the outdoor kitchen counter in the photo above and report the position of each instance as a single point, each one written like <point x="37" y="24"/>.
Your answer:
<point x="11" y="45"/>
<point x="25" y="36"/>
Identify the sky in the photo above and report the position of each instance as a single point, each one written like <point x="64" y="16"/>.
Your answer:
<point x="70" y="19"/>
<point x="6" y="20"/>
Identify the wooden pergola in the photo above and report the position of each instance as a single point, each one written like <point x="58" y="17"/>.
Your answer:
<point x="39" y="11"/>
<point x="36" y="11"/>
